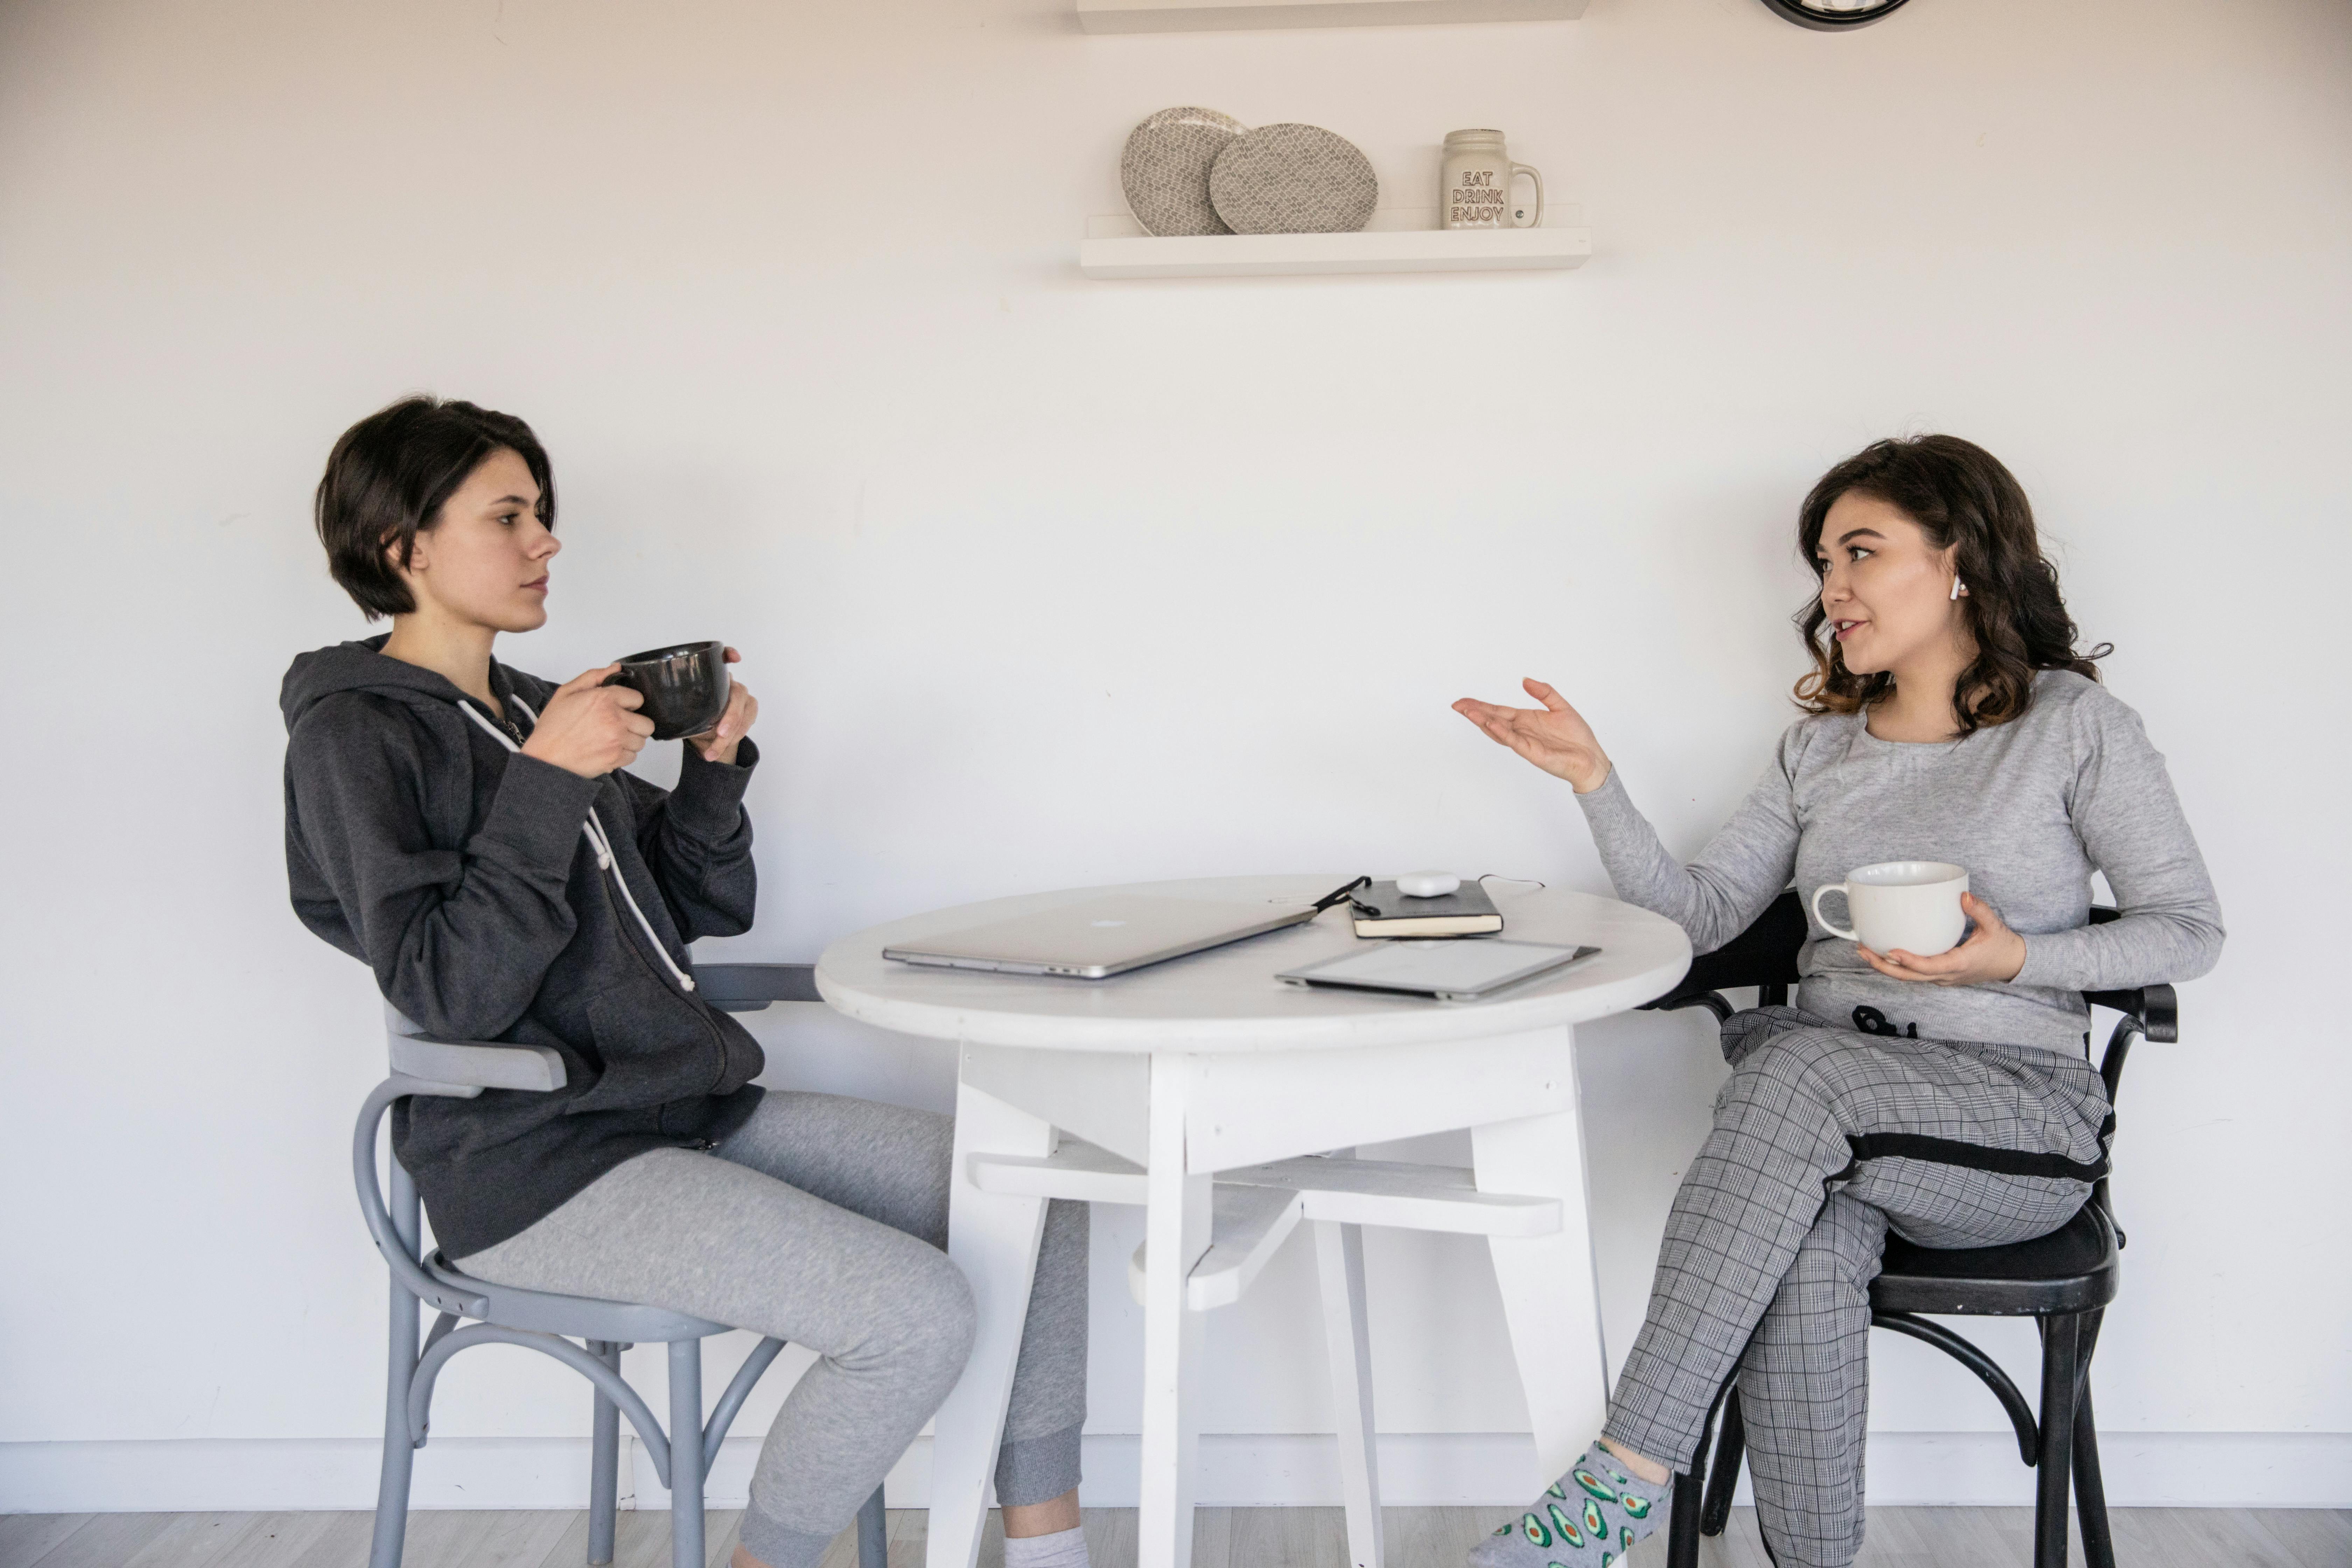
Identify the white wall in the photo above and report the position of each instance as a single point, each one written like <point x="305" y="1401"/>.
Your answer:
<point x="1048" y="581"/>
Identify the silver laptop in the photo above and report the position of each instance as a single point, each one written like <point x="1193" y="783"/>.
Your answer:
<point x="1102" y="937"/>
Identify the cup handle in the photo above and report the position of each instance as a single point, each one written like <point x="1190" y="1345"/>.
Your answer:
<point x="1830" y="926"/>
<point x="1537" y="221"/>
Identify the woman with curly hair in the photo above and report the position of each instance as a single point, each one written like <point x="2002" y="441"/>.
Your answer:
<point x="1948" y="717"/>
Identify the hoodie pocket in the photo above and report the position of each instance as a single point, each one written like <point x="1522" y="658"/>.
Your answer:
<point x="744" y="1059"/>
<point x="646" y="1060"/>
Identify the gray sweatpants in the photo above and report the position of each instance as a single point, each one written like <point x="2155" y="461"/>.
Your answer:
<point x="1777" y="1232"/>
<point x="823" y="1222"/>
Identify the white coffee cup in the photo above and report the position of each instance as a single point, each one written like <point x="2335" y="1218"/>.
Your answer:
<point x="1911" y="904"/>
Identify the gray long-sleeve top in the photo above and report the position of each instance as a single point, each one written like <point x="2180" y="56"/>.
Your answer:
<point x="2031" y="808"/>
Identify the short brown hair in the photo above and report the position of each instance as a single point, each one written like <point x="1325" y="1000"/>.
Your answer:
<point x="387" y="478"/>
<point x="1959" y="494"/>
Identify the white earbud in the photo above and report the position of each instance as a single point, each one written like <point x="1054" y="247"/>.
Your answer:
<point x="1958" y="587"/>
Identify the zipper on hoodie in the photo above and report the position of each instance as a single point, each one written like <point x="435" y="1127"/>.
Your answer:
<point x="717" y="1043"/>
<point x="593" y="830"/>
<point x="505" y="722"/>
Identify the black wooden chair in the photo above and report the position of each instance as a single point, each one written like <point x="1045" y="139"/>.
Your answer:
<point x="2062" y="1280"/>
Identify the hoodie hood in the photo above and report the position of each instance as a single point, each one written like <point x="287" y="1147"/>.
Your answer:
<point x="362" y="667"/>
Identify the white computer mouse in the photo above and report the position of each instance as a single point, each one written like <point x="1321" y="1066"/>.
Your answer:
<point x="1427" y="884"/>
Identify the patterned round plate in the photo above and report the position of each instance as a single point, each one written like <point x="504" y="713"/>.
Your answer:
<point x="1165" y="169"/>
<point x="1293" y="179"/>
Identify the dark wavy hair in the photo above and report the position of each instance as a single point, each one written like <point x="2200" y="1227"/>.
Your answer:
<point x="1957" y="493"/>
<point x="385" y="481"/>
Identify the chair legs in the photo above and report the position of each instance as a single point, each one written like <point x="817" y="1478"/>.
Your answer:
<point x="604" y="1464"/>
<point x="2090" y="1490"/>
<point x="874" y="1534"/>
<point x="685" y="1429"/>
<point x="1682" y="1521"/>
<point x="1723" y="1475"/>
<point x="2090" y="1486"/>
<point x="685" y="1454"/>
<point x="1703" y="1510"/>
<point x="2061" y="1341"/>
<point x="2069" y="1455"/>
<point x="400" y="1366"/>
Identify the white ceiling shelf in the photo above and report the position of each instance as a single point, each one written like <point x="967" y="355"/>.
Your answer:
<point x="1132" y="255"/>
<point x="1224" y="15"/>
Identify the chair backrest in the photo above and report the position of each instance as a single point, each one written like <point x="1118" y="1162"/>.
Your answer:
<point x="447" y="1070"/>
<point x="1765" y="956"/>
<point x="393" y="1227"/>
<point x="462" y="1070"/>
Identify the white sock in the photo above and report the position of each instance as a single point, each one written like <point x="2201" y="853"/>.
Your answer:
<point x="1063" y="1549"/>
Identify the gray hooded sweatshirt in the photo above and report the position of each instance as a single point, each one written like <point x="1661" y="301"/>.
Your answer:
<point x="459" y="871"/>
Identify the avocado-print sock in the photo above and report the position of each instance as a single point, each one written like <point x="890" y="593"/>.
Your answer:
<point x="1590" y="1518"/>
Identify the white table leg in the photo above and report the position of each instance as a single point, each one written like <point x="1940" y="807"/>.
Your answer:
<point x="1550" y="1291"/>
<point x="993" y="1238"/>
<point x="1339" y="1260"/>
<point x="1176" y="1232"/>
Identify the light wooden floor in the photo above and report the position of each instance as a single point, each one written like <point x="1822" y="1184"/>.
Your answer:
<point x="1225" y="1538"/>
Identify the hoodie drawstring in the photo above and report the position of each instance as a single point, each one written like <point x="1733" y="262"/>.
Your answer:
<point x="597" y="840"/>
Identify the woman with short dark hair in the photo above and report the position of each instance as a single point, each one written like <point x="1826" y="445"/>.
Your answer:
<point x="469" y="833"/>
<point x="1949" y="719"/>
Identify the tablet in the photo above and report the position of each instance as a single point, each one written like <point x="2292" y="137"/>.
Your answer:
<point x="1449" y="970"/>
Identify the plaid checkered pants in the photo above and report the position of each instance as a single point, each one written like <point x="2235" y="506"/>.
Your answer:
<point x="1777" y="1231"/>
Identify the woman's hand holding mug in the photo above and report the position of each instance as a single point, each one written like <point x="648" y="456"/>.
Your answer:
<point x="1554" y="737"/>
<point x="1993" y="952"/>
<point x="718" y="743"/>
<point x="1909" y="917"/>
<point x="590" y="728"/>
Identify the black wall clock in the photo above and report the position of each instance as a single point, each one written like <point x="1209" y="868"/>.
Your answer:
<point x="1834" y="15"/>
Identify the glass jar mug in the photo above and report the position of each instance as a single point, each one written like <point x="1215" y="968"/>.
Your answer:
<point x="1474" y="191"/>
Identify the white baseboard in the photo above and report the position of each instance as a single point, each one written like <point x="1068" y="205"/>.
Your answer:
<point x="2144" y="1469"/>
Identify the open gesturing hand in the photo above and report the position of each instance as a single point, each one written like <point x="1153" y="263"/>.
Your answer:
<point x="1992" y="952"/>
<point x="718" y="743"/>
<point x="1554" y="737"/>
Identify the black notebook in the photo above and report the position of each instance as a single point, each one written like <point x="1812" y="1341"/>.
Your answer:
<point x="1381" y="911"/>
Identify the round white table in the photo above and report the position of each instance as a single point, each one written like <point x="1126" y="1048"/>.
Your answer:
<point x="1211" y="1093"/>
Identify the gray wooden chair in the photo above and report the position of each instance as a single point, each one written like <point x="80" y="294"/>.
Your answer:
<point x="549" y="1323"/>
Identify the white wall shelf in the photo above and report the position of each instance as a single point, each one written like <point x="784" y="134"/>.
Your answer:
<point x="1115" y="248"/>
<point x="1222" y="15"/>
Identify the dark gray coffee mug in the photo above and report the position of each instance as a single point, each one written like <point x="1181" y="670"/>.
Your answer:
<point x="685" y="687"/>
